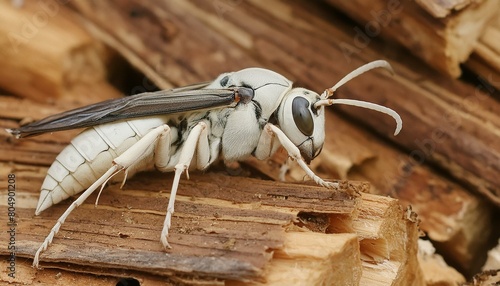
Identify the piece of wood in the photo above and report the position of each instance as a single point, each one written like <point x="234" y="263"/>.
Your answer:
<point x="489" y="277"/>
<point x="311" y="259"/>
<point x="46" y="55"/>
<point x="223" y="228"/>
<point x="434" y="268"/>
<point x="388" y="242"/>
<point x="460" y="222"/>
<point x="446" y="225"/>
<point x="493" y="261"/>
<point x="210" y="213"/>
<point x="27" y="275"/>
<point x="31" y="175"/>
<point x="443" y="43"/>
<point x="441" y="9"/>
<point x="485" y="61"/>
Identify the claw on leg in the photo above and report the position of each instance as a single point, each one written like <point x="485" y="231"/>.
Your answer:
<point x="74" y="205"/>
<point x="170" y="209"/>
<point x="294" y="154"/>
<point x="164" y="232"/>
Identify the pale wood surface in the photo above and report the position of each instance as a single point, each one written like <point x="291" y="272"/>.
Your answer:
<point x="436" y="271"/>
<point x="493" y="261"/>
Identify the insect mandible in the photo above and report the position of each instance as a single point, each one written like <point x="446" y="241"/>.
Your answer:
<point x="251" y="112"/>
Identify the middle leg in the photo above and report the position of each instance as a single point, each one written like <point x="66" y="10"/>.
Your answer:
<point x="197" y="140"/>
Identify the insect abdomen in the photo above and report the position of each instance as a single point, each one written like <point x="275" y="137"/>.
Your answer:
<point x="89" y="156"/>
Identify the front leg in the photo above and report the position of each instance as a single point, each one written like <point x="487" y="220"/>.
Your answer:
<point x="294" y="153"/>
<point x="268" y="145"/>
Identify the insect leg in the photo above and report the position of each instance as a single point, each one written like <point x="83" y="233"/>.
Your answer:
<point x="162" y="151"/>
<point x="268" y="145"/>
<point x="294" y="153"/>
<point x="122" y="162"/>
<point x="203" y="150"/>
<point x="196" y="135"/>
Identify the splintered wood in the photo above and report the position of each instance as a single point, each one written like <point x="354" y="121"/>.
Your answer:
<point x="224" y="228"/>
<point x="434" y="268"/>
<point x="485" y="61"/>
<point x="443" y="34"/>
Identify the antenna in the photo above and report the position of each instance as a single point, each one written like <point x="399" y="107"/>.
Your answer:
<point x="326" y="101"/>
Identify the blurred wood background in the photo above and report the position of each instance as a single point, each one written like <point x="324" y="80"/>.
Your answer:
<point x="444" y="164"/>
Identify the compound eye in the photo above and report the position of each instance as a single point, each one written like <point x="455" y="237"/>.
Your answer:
<point x="302" y="116"/>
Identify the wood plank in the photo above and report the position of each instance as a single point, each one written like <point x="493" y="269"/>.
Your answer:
<point x="443" y="43"/>
<point x="222" y="228"/>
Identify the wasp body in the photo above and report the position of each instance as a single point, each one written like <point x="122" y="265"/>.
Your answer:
<point x="251" y="112"/>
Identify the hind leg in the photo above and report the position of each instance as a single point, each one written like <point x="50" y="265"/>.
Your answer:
<point x="135" y="153"/>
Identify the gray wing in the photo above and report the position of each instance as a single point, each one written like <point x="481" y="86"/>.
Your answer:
<point x="165" y="102"/>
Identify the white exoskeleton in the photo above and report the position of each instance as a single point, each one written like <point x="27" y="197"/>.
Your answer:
<point x="250" y="112"/>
